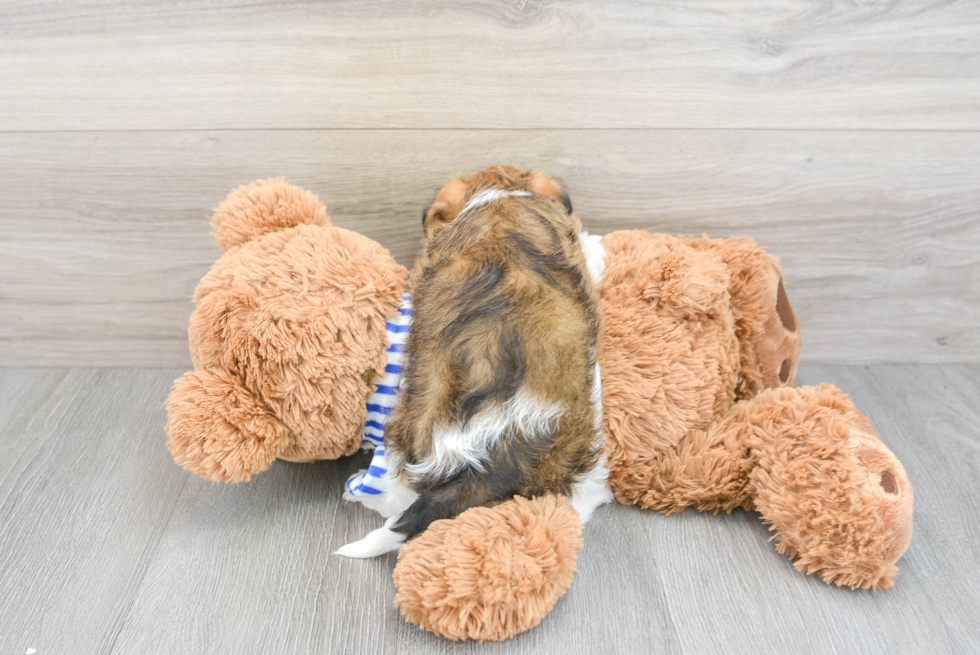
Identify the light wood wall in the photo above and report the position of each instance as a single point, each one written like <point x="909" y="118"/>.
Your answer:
<point x="843" y="136"/>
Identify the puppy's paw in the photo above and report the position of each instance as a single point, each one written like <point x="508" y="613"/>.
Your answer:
<point x="378" y="542"/>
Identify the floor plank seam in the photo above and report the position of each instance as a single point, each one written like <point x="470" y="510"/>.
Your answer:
<point x="14" y="424"/>
<point x="898" y="130"/>
<point x="148" y="565"/>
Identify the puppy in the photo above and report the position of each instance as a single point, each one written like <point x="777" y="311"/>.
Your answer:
<point x="500" y="388"/>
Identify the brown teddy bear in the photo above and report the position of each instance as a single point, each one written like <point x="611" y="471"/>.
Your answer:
<point x="698" y="354"/>
<point x="287" y="339"/>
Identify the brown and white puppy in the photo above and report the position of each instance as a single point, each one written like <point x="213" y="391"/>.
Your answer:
<point x="500" y="388"/>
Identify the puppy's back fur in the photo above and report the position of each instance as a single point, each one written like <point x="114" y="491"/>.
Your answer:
<point x="499" y="375"/>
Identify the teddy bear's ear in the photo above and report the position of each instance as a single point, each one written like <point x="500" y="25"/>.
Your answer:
<point x="445" y="207"/>
<point x="264" y="206"/>
<point x="217" y="429"/>
<point x="769" y="334"/>
<point x="767" y="329"/>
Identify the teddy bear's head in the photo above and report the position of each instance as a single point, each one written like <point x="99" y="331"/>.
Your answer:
<point x="287" y="338"/>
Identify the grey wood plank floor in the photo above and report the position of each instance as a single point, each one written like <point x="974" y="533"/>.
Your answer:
<point x="106" y="546"/>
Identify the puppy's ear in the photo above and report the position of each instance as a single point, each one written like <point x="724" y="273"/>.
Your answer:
<point x="566" y="201"/>
<point x="543" y="185"/>
<point x="445" y="209"/>
<point x="436" y="217"/>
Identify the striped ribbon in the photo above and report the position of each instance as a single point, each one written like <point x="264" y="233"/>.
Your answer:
<point x="381" y="403"/>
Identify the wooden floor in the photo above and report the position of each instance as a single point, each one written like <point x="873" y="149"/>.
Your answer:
<point x="108" y="547"/>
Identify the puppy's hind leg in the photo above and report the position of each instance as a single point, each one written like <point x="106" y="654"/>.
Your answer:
<point x="378" y="542"/>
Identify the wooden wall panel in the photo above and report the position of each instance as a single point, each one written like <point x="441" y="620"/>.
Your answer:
<point x="489" y="64"/>
<point x="104" y="235"/>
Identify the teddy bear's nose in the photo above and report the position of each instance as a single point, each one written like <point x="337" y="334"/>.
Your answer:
<point x="888" y="483"/>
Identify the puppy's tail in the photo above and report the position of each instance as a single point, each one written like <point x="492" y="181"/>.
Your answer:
<point x="471" y="487"/>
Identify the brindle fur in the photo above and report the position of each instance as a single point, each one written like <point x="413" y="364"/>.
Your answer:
<point x="502" y="302"/>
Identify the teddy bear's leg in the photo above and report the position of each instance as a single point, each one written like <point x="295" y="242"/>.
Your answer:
<point x="706" y="470"/>
<point x="218" y="430"/>
<point x="492" y="572"/>
<point x="838" y="500"/>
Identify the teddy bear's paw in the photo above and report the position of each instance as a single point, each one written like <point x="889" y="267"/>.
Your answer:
<point x="492" y="572"/>
<point x="218" y="430"/>
<point x="264" y="206"/>
<point x="837" y="498"/>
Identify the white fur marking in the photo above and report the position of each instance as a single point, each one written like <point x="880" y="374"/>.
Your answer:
<point x="377" y="542"/>
<point x="489" y="195"/>
<point x="592" y="491"/>
<point x="596" y="398"/>
<point x="455" y="447"/>
<point x="595" y="255"/>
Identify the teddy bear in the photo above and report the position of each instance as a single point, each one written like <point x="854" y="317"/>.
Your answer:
<point x="287" y="338"/>
<point x="296" y="339"/>
<point x="699" y="356"/>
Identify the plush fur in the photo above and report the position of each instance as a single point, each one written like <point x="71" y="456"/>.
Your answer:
<point x="264" y="206"/>
<point x="491" y="572"/>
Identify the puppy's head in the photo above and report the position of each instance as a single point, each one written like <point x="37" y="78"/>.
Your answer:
<point x="453" y="197"/>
